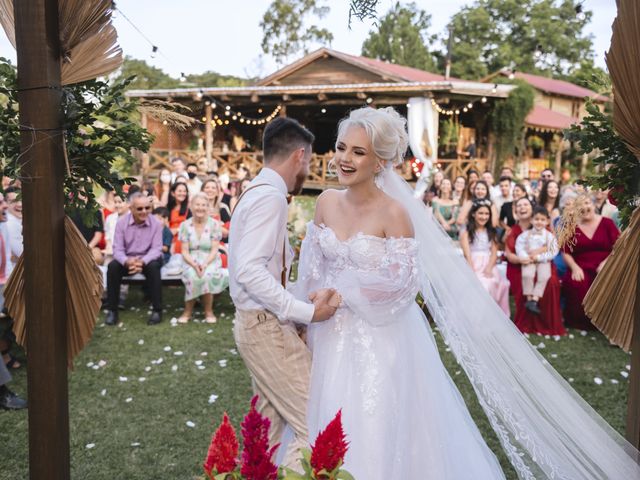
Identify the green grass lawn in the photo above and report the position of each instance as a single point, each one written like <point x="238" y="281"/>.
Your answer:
<point x="149" y="411"/>
<point x="139" y="426"/>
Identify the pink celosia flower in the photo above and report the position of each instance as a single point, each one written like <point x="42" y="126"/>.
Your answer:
<point x="256" y="457"/>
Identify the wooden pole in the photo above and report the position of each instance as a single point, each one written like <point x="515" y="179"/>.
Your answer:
<point x="145" y="156"/>
<point x="633" y="405"/>
<point x="208" y="138"/>
<point x="37" y="42"/>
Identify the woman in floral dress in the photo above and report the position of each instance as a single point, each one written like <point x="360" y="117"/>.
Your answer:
<point x="202" y="274"/>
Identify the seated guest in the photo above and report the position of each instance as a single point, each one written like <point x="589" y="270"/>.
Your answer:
<point x="539" y="245"/>
<point x="203" y="275"/>
<point x="137" y="248"/>
<point x="14" y="224"/>
<point x="162" y="214"/>
<point x="178" y="207"/>
<point x="120" y="209"/>
<point x="549" y="321"/>
<point x="507" y="211"/>
<point x="8" y="399"/>
<point x="161" y="188"/>
<point x="594" y="238"/>
<point x="459" y="189"/>
<point x="445" y="209"/>
<point x="604" y="207"/>
<point x="479" y="244"/>
<point x="92" y="233"/>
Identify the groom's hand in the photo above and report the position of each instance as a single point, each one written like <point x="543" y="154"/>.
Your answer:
<point x="325" y="304"/>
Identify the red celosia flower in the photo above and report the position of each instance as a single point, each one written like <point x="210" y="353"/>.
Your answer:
<point x="223" y="451"/>
<point x="330" y="447"/>
<point x="256" y="457"/>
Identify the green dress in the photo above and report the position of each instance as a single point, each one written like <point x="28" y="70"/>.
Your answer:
<point x="215" y="278"/>
<point x="448" y="212"/>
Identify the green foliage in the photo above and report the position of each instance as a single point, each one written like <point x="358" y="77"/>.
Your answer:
<point x="214" y="79"/>
<point x="534" y="141"/>
<point x="284" y="29"/>
<point x="146" y="76"/>
<point x="98" y="135"/>
<point x="492" y="34"/>
<point x="619" y="169"/>
<point x="448" y="132"/>
<point x="588" y="75"/>
<point x="507" y="120"/>
<point x="402" y="38"/>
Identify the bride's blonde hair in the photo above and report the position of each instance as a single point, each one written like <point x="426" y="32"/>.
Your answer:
<point x="386" y="129"/>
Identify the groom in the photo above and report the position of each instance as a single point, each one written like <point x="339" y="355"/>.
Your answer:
<point x="259" y="261"/>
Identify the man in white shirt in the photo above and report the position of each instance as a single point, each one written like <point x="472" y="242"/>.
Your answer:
<point x="504" y="193"/>
<point x="278" y="360"/>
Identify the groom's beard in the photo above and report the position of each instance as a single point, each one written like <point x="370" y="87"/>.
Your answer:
<point x="297" y="188"/>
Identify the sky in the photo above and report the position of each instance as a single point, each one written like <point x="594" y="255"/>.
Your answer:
<point x="194" y="36"/>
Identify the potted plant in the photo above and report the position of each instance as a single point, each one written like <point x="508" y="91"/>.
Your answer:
<point x="536" y="144"/>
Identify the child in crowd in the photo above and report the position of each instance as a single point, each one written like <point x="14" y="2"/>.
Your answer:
<point x="539" y="246"/>
<point x="479" y="244"/>
<point x="162" y="214"/>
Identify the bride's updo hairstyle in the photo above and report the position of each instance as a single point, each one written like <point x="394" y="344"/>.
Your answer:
<point x="386" y="129"/>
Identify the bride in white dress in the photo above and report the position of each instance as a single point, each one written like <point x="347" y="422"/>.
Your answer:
<point x="377" y="360"/>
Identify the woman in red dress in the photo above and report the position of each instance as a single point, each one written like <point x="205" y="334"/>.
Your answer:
<point x="594" y="239"/>
<point x="549" y="322"/>
<point x="178" y="206"/>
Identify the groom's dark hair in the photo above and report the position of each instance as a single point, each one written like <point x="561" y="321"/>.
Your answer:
<point x="282" y="136"/>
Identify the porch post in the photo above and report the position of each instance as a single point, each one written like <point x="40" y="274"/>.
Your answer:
<point x="212" y="165"/>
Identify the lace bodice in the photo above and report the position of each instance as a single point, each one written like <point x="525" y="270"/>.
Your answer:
<point x="375" y="276"/>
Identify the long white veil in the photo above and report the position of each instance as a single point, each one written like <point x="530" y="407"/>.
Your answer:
<point x="546" y="429"/>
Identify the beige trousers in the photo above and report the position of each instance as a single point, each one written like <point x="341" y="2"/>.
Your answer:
<point x="280" y="364"/>
<point x="529" y="271"/>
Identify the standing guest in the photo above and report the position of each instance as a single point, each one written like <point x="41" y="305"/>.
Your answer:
<point x="480" y="192"/>
<point x="550" y="198"/>
<point x="549" y="322"/>
<point x="507" y="172"/>
<point x="162" y="214"/>
<point x="471" y="149"/>
<point x="434" y="188"/>
<point x="217" y="210"/>
<point x="178" y="207"/>
<point x="121" y="208"/>
<point x="459" y="185"/>
<point x="603" y="206"/>
<point x="14" y="224"/>
<point x="203" y="275"/>
<point x="507" y="211"/>
<point x="179" y="169"/>
<point x="504" y="192"/>
<point x="479" y="244"/>
<point x="540" y="246"/>
<point x="593" y="241"/>
<point x="487" y="176"/>
<point x="194" y="184"/>
<point x="137" y="248"/>
<point x="161" y="188"/>
<point x="472" y="176"/>
<point x="445" y="209"/>
<point x="546" y="175"/>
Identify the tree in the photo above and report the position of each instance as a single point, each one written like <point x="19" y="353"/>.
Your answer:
<point x="588" y="75"/>
<point x="402" y="38"/>
<point x="147" y="76"/>
<point x="214" y="79"/>
<point x="284" y="30"/>
<point x="535" y="36"/>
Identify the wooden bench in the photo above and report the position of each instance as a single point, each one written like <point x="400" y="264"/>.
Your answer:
<point x="167" y="279"/>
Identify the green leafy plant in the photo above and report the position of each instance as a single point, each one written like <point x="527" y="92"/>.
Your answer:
<point x="535" y="142"/>
<point x="99" y="136"/>
<point x="507" y="121"/>
<point x="617" y="168"/>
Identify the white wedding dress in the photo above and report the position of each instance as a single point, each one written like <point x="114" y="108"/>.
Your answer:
<point x="377" y="361"/>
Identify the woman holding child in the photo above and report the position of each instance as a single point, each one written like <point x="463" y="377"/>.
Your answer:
<point x="549" y="320"/>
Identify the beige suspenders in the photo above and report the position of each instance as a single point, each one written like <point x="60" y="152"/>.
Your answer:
<point x="283" y="273"/>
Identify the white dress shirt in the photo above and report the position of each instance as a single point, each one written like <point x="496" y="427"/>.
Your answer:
<point x="14" y="239"/>
<point x="532" y="239"/>
<point x="256" y="237"/>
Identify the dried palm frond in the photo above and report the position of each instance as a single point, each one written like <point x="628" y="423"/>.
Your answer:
<point x="611" y="299"/>
<point x="88" y="40"/>
<point x="7" y="21"/>
<point x="169" y="112"/>
<point x="84" y="293"/>
<point x="623" y="61"/>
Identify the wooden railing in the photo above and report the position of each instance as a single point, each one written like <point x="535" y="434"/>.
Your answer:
<point x="320" y="176"/>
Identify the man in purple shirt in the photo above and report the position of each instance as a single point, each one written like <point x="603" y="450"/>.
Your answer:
<point x="137" y="248"/>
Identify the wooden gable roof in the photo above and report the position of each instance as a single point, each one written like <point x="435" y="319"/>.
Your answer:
<point x="330" y="67"/>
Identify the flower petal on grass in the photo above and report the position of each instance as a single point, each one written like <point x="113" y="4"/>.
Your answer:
<point x="123" y="379"/>
<point x="89" y="446"/>
<point x="597" y="380"/>
<point x="190" y="424"/>
<point x="212" y="398"/>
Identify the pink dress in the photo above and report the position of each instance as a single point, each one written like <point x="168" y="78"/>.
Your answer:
<point x="495" y="284"/>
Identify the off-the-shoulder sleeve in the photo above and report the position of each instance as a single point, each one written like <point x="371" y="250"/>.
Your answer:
<point x="311" y="268"/>
<point x="378" y="296"/>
